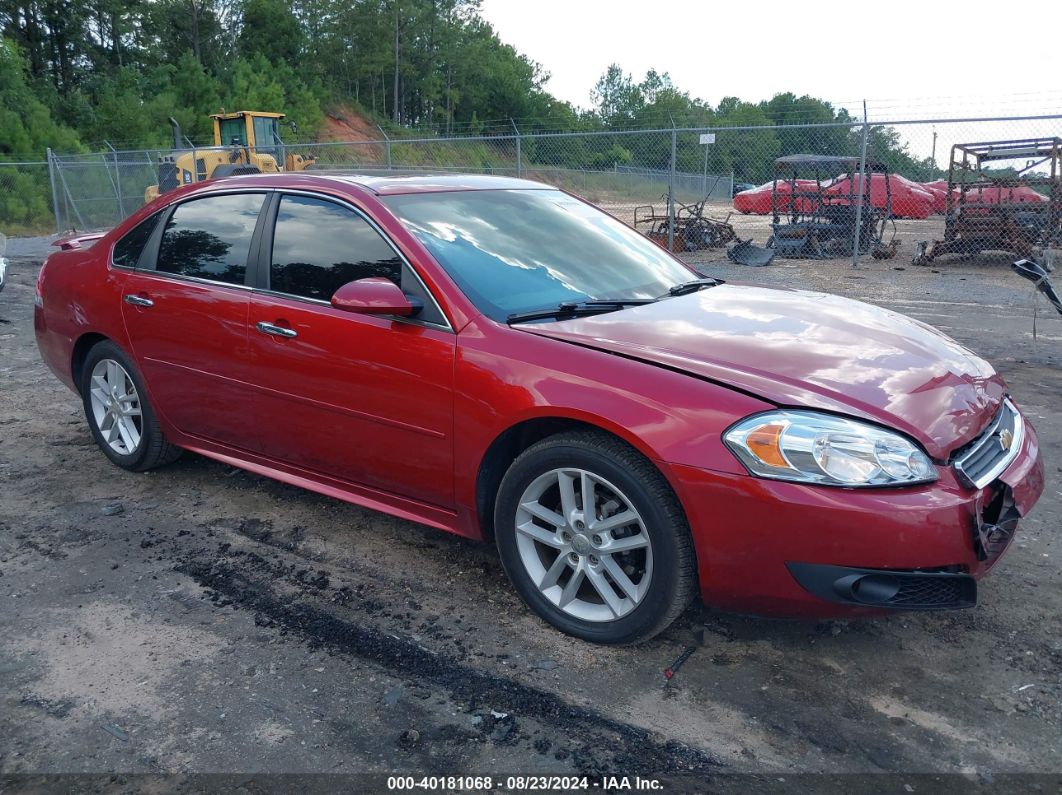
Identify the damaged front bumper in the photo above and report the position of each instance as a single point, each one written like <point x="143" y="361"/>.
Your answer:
<point x="791" y="549"/>
<point x="949" y="588"/>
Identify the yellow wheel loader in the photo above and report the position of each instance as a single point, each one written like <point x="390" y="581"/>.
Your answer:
<point x="245" y="142"/>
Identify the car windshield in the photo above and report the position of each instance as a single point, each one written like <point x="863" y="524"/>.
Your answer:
<point x="515" y="251"/>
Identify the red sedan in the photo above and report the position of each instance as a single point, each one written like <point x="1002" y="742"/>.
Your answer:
<point x="501" y="360"/>
<point x="761" y="200"/>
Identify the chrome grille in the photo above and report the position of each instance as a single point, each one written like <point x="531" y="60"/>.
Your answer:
<point x="985" y="458"/>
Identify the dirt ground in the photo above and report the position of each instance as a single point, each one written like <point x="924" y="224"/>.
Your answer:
<point x="201" y="619"/>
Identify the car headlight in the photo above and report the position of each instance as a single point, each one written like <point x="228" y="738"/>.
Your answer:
<point x="809" y="447"/>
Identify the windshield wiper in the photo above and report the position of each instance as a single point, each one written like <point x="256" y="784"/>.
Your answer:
<point x="569" y="309"/>
<point x="694" y="286"/>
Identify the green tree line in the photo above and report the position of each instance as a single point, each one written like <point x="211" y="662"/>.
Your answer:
<point x="79" y="75"/>
<point x="116" y="70"/>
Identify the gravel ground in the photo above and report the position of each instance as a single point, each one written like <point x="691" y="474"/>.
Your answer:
<point x="200" y="619"/>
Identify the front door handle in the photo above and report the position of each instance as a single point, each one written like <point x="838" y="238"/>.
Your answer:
<point x="139" y="300"/>
<point x="276" y="331"/>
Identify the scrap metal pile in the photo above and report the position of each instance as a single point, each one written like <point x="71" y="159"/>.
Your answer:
<point x="821" y="207"/>
<point x="827" y="207"/>
<point x="1017" y="213"/>
<point x="693" y="229"/>
<point x="817" y="203"/>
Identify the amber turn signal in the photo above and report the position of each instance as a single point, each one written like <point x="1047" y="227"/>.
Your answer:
<point x="765" y="444"/>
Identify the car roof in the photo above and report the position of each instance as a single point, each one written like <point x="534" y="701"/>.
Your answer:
<point x="391" y="183"/>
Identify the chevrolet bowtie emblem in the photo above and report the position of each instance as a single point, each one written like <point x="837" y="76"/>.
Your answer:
<point x="1006" y="439"/>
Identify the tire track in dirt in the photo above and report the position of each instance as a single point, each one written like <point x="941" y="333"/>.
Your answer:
<point x="248" y="581"/>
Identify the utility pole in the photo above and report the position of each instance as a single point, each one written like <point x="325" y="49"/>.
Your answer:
<point x="933" y="157"/>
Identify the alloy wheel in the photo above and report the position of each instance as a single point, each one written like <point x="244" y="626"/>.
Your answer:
<point x="116" y="407"/>
<point x="584" y="544"/>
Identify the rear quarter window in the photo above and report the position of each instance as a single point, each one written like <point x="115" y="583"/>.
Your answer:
<point x="130" y="246"/>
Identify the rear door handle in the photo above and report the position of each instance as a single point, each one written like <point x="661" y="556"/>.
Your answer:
<point x="139" y="300"/>
<point x="276" y="331"/>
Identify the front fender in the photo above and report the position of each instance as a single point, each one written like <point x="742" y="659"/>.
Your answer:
<point x="508" y="377"/>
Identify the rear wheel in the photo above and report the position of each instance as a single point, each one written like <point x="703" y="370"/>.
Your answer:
<point x="122" y="420"/>
<point x="594" y="539"/>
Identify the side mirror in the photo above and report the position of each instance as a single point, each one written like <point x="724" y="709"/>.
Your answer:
<point x="374" y="296"/>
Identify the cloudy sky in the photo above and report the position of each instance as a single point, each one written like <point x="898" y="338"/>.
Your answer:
<point x="894" y="54"/>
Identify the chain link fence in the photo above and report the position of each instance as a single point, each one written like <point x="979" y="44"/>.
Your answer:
<point x="96" y="191"/>
<point x="924" y="191"/>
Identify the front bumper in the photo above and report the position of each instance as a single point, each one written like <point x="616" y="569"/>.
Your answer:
<point x="748" y="531"/>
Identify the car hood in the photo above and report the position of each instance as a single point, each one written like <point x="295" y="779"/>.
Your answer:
<point x="805" y="349"/>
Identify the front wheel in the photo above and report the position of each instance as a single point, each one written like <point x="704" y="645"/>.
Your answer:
<point x="120" y="416"/>
<point x="593" y="538"/>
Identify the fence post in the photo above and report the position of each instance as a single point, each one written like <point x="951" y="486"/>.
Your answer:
<point x="519" y="166"/>
<point x="55" y="195"/>
<point x="704" y="180"/>
<point x="387" y="145"/>
<point x="864" y="189"/>
<point x="671" y="190"/>
<point x="70" y="203"/>
<point x="117" y="183"/>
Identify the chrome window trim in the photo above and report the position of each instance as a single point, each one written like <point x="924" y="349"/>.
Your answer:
<point x="169" y="210"/>
<point x="195" y="279"/>
<point x="383" y="236"/>
<point x="984" y="438"/>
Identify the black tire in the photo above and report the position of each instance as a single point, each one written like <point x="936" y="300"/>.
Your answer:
<point x="152" y="450"/>
<point x="673" y="582"/>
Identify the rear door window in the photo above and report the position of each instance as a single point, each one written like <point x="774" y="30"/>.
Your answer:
<point x="210" y="238"/>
